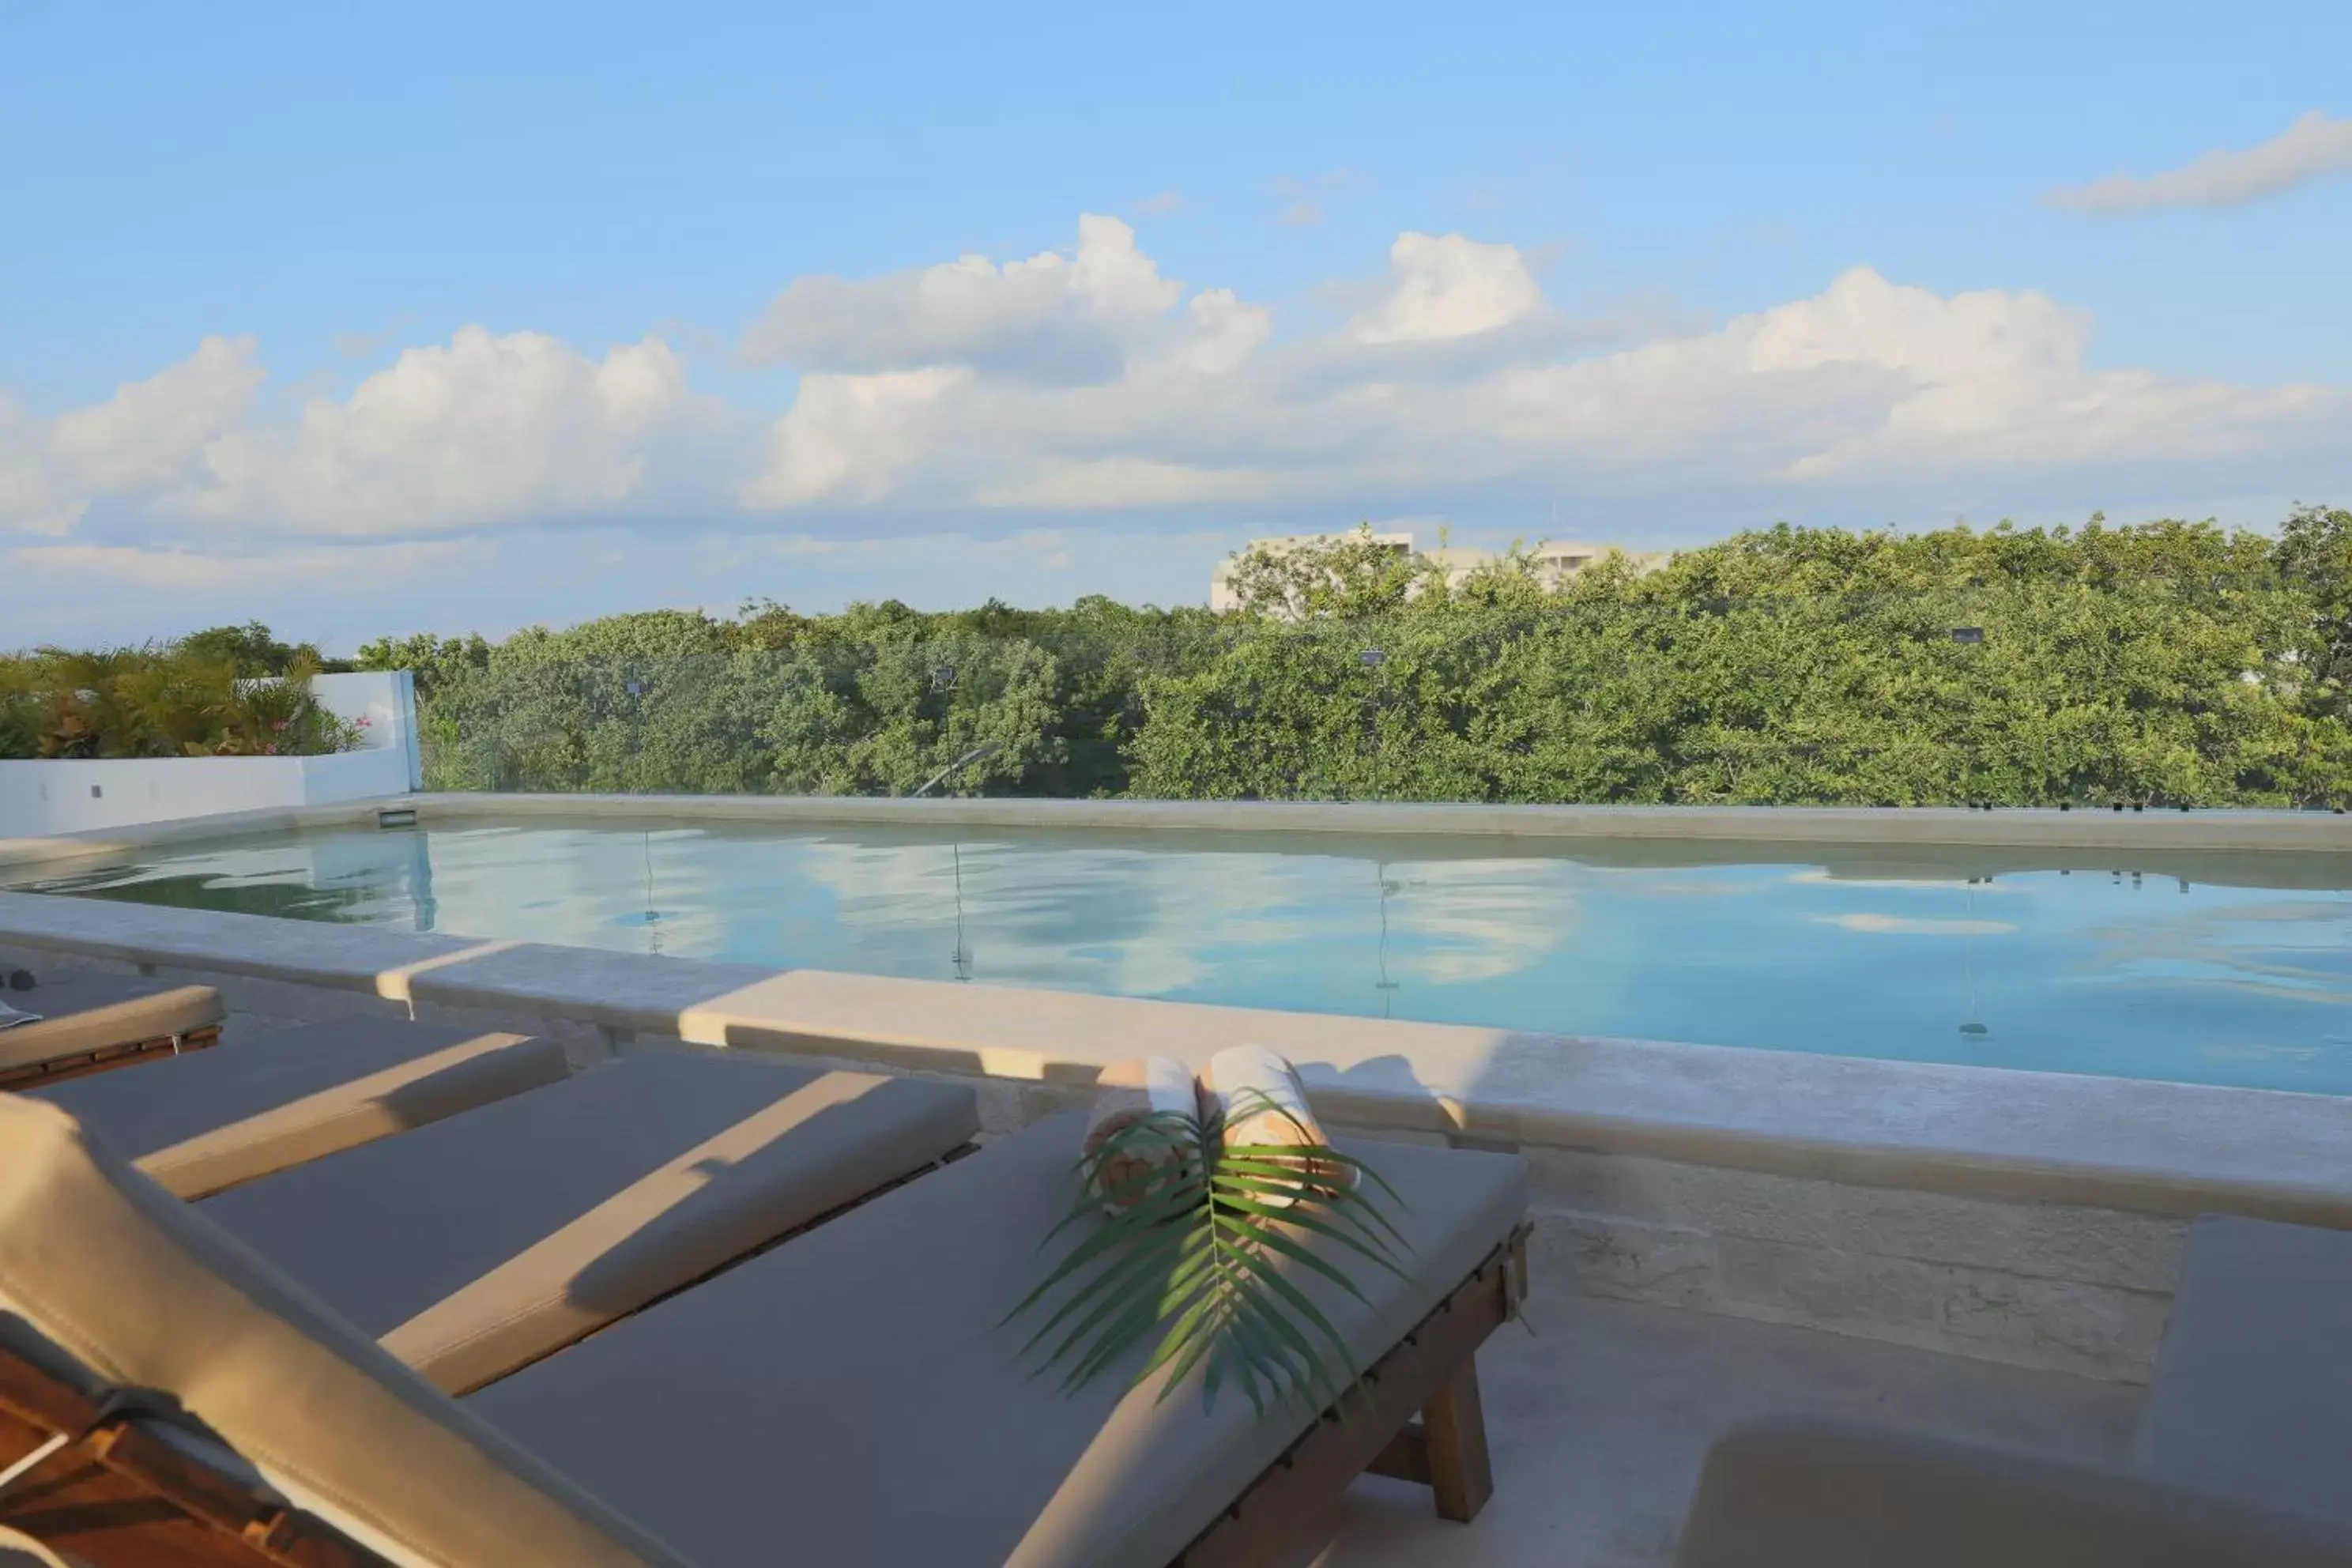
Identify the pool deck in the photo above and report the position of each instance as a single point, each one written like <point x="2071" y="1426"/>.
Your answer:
<point x="1599" y="1420"/>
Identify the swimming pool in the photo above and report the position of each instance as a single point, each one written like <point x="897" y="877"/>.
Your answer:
<point x="2217" y="968"/>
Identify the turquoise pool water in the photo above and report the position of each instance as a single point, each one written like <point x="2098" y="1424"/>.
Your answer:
<point x="2215" y="968"/>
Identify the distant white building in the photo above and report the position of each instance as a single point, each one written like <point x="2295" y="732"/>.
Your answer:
<point x="1555" y="560"/>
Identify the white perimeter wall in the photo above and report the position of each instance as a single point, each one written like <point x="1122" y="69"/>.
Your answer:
<point x="38" y="798"/>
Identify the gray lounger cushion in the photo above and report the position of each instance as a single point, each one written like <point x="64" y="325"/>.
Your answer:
<point x="2253" y="1398"/>
<point x="480" y="1243"/>
<point x="202" y="1122"/>
<point x="856" y="1395"/>
<point x="84" y="1012"/>
<point x="1801" y="1493"/>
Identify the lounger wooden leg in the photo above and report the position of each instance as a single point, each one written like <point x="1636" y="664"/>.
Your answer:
<point x="1454" y="1428"/>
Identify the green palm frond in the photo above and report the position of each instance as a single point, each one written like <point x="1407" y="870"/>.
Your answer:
<point x="1211" y="1249"/>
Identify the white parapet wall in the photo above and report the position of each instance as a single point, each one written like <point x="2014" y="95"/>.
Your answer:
<point x="39" y="799"/>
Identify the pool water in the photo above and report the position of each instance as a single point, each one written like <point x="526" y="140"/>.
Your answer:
<point x="2212" y="968"/>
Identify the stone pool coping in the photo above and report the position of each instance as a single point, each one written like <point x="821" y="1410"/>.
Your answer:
<point x="2038" y="1138"/>
<point x="2036" y="829"/>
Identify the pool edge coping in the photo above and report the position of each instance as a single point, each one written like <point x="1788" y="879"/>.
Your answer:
<point x="2142" y="1146"/>
<point x="2024" y="827"/>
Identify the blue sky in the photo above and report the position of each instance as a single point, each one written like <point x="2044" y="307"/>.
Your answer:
<point x="456" y="317"/>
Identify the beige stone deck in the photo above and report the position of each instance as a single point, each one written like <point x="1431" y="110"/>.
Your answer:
<point x="1598" y="1423"/>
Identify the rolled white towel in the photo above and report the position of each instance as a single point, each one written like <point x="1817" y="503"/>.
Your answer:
<point x="1125" y="1093"/>
<point x="1258" y="1095"/>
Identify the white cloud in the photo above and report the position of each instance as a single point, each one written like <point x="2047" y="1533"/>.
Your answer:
<point x="2314" y="147"/>
<point x="1453" y="371"/>
<point x="1088" y="382"/>
<point x="848" y="438"/>
<point x="1160" y="205"/>
<point x="1053" y="314"/>
<point x="448" y="439"/>
<point x="1443" y="286"/>
<point x="150" y="435"/>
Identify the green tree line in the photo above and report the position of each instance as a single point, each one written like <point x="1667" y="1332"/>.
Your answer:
<point x="2159" y="664"/>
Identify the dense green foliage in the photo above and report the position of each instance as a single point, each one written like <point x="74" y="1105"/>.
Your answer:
<point x="875" y="701"/>
<point x="200" y="697"/>
<point x="2167" y="663"/>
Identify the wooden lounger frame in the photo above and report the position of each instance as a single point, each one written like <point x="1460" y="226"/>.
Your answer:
<point x="118" y="1493"/>
<point x="81" y="1064"/>
<point x="1431" y="1372"/>
<point x="118" y="1496"/>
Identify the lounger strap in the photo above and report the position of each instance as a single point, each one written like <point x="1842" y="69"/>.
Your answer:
<point x="131" y="1403"/>
<point x="131" y="1400"/>
<point x="119" y="1405"/>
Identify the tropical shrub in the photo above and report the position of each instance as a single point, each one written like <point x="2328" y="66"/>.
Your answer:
<point x="181" y="699"/>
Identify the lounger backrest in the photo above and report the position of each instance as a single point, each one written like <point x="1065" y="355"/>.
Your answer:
<point x="142" y="1289"/>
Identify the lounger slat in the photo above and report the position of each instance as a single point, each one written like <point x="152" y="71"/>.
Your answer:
<point x="476" y="1245"/>
<point x="290" y="1096"/>
<point x="96" y="1023"/>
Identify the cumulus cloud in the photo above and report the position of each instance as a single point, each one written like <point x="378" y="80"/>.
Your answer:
<point x="2314" y="147"/>
<point x="482" y="430"/>
<point x="1444" y="287"/>
<point x="849" y="437"/>
<point x="1065" y="316"/>
<point x="1089" y="383"/>
<point x="1453" y="371"/>
<point x="151" y="435"/>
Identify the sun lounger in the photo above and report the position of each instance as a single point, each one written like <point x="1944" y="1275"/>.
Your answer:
<point x="897" y="1364"/>
<point x="2252" y="1396"/>
<point x="484" y="1241"/>
<point x="1797" y="1493"/>
<point x="212" y="1414"/>
<point x="90" y="1022"/>
<point x="205" y="1123"/>
<point x="2241" y="1456"/>
<point x="853" y="1397"/>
